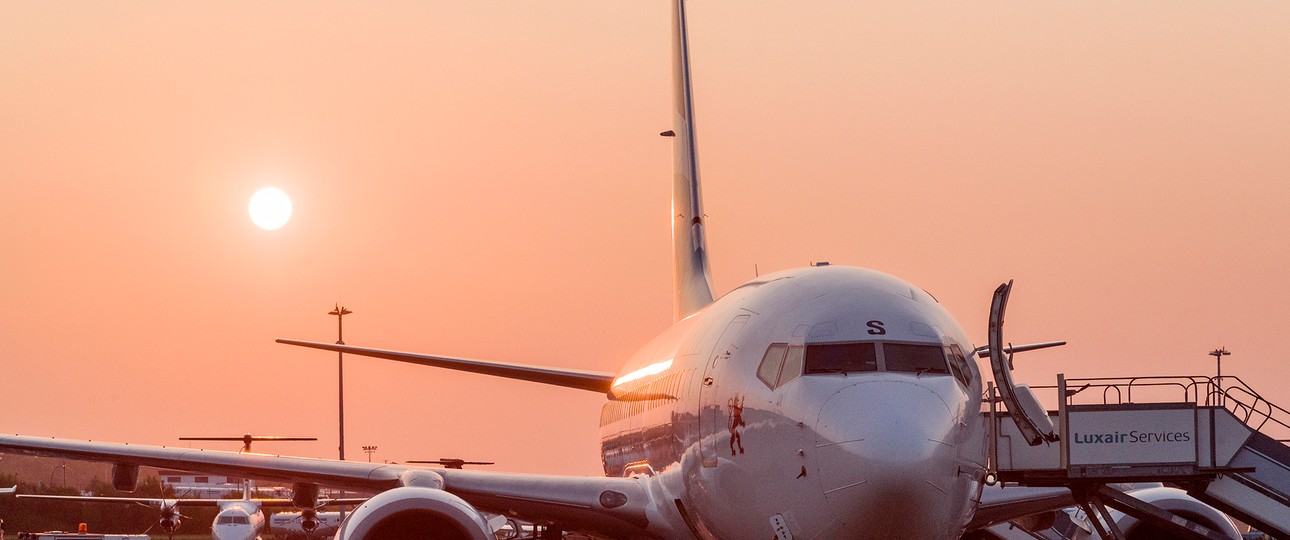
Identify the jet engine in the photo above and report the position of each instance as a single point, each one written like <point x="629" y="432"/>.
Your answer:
<point x="414" y="512"/>
<point x="1174" y="501"/>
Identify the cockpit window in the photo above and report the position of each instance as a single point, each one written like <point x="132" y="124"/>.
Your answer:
<point x="768" y="371"/>
<point x="792" y="365"/>
<point x="918" y="358"/>
<point x="841" y="357"/>
<point x="958" y="365"/>
<point x="909" y="357"/>
<point x="780" y="365"/>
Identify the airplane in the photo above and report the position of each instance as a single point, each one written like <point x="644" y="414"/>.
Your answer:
<point x="820" y="402"/>
<point x="451" y="463"/>
<point x="237" y="519"/>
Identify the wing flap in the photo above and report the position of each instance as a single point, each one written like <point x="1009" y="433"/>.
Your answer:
<point x="569" y="378"/>
<point x="615" y="507"/>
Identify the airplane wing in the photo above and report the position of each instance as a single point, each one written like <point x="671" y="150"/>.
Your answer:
<point x="1000" y="504"/>
<point x="267" y="503"/>
<point x="150" y="501"/>
<point x="613" y="507"/>
<point x="349" y="501"/>
<point x="570" y="378"/>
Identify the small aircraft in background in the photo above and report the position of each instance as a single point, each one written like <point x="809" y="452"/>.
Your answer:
<point x="450" y="463"/>
<point x="238" y="519"/>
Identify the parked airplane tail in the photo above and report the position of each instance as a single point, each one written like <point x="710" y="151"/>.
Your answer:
<point x="692" y="281"/>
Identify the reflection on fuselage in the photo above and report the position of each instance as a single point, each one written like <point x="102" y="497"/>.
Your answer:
<point x="876" y="433"/>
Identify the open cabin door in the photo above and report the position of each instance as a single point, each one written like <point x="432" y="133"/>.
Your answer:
<point x="1024" y="408"/>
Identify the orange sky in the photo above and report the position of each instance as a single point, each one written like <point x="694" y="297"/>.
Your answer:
<point x="485" y="179"/>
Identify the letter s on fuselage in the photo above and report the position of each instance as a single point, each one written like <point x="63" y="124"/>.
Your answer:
<point x="897" y="451"/>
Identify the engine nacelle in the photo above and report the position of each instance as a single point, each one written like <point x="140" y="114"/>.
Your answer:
<point x="1176" y="502"/>
<point x="304" y="495"/>
<point x="170" y="518"/>
<point x="309" y="520"/>
<point x="125" y="477"/>
<point x="414" y="512"/>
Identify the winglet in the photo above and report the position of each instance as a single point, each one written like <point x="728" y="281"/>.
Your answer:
<point x="692" y="281"/>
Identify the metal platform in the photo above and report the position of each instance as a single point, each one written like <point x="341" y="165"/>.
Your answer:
<point x="1219" y="443"/>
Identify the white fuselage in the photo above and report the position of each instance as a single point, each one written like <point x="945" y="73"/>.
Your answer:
<point x="872" y="450"/>
<point x="238" y="520"/>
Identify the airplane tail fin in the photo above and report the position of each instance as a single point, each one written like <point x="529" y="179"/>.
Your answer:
<point x="692" y="281"/>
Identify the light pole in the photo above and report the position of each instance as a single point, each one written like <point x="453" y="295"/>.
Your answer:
<point x="340" y="314"/>
<point x="1218" y="355"/>
<point x="370" y="450"/>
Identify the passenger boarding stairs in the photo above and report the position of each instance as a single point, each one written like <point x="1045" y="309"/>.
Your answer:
<point x="1225" y="445"/>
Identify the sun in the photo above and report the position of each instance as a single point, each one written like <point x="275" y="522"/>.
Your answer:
<point x="270" y="208"/>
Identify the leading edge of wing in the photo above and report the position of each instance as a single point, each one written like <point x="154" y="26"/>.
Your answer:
<point x="157" y="501"/>
<point x="569" y="378"/>
<point x="348" y="474"/>
<point x="177" y="501"/>
<point x="613" y="507"/>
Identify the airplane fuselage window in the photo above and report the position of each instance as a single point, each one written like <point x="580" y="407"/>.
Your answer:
<point x="915" y="358"/>
<point x="646" y="396"/>
<point x="841" y="357"/>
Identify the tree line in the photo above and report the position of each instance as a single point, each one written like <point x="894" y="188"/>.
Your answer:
<point x="35" y="515"/>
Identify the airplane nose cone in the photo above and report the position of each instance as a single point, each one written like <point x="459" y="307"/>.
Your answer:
<point x="887" y="461"/>
<point x="233" y="532"/>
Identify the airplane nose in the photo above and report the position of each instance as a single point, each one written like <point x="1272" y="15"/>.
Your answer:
<point x="887" y="460"/>
<point x="234" y="532"/>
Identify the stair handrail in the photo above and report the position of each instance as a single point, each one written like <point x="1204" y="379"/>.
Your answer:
<point x="1248" y="405"/>
<point x="1235" y="395"/>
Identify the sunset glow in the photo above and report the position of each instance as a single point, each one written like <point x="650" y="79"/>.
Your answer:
<point x="485" y="179"/>
<point x="270" y="208"/>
